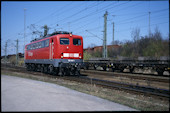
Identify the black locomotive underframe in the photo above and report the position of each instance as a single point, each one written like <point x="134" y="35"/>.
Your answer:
<point x="55" y="66"/>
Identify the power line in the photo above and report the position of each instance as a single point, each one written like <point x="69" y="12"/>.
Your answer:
<point x="90" y="14"/>
<point x="64" y="7"/>
<point x="94" y="35"/>
<point x="127" y="7"/>
<point x="141" y="27"/>
<point x="77" y="13"/>
<point x="131" y="18"/>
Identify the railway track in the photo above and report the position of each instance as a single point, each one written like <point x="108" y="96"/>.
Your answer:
<point x="164" y="93"/>
<point x="133" y="76"/>
<point x="123" y="86"/>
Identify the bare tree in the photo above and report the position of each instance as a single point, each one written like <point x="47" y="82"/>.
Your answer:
<point x="136" y="36"/>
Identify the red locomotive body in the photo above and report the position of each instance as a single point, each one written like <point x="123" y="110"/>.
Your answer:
<point x="60" y="52"/>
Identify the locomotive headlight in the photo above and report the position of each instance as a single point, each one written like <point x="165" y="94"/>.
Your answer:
<point x="61" y="56"/>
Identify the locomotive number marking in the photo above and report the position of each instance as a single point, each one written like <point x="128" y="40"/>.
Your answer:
<point x="70" y="60"/>
<point x="71" y="55"/>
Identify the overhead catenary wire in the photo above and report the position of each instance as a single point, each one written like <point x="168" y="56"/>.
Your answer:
<point x="145" y="14"/>
<point x="76" y="13"/>
<point x="94" y="13"/>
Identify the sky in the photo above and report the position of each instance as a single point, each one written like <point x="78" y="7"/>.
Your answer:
<point x="84" y="18"/>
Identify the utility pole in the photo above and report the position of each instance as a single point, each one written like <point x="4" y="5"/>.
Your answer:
<point x="24" y="31"/>
<point x="105" y="36"/>
<point x="113" y="32"/>
<point x="17" y="52"/>
<point x="6" y="52"/>
<point x="149" y="26"/>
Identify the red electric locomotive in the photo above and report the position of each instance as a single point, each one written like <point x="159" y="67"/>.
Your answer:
<point x="59" y="53"/>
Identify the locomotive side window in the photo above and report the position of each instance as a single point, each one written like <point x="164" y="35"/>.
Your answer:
<point x="46" y="43"/>
<point x="42" y="44"/>
<point x="31" y="46"/>
<point x="36" y="45"/>
<point x="28" y="47"/>
<point x="64" y="41"/>
<point x="39" y="44"/>
<point x="77" y="41"/>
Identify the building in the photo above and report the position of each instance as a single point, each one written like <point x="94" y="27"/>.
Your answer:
<point x="100" y="48"/>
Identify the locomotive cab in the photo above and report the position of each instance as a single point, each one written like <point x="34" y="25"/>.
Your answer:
<point x="70" y="49"/>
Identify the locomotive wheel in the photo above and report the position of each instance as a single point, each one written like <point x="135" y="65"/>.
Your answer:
<point x="32" y="67"/>
<point x="45" y="68"/>
<point x="38" y="67"/>
<point x="27" y="67"/>
<point x="67" y="71"/>
<point x="77" y="72"/>
<point x="63" y="71"/>
<point x="50" y="69"/>
<point x="42" y="69"/>
<point x="56" y="71"/>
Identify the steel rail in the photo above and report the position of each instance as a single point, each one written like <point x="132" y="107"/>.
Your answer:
<point x="131" y="87"/>
<point x="139" y="76"/>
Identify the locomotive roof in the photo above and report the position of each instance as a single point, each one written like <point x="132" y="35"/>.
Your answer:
<point x="54" y="33"/>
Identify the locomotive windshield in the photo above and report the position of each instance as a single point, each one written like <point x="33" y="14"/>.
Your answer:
<point x="64" y="41"/>
<point x="77" y="41"/>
